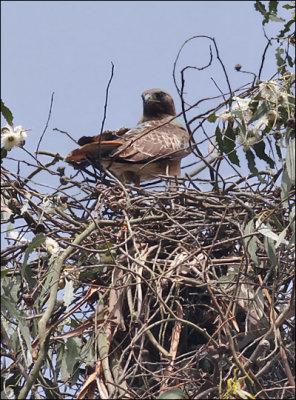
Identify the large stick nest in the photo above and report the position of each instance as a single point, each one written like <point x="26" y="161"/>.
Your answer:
<point x="171" y="288"/>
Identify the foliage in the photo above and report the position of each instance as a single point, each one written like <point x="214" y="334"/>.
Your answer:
<point x="112" y="291"/>
<point x="7" y="114"/>
<point x="234" y="388"/>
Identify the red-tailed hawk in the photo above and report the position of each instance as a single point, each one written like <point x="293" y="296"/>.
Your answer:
<point x="154" y="147"/>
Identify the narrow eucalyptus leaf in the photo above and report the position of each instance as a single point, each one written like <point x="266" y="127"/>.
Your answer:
<point x="281" y="238"/>
<point x="69" y="292"/>
<point x="250" y="242"/>
<point x="260" y="152"/>
<point x="270" y="250"/>
<point x="291" y="160"/>
<point x="251" y="162"/>
<point x="285" y="187"/>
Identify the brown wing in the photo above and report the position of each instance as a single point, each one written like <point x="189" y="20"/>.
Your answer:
<point x="153" y="139"/>
<point x="106" y="135"/>
<point x="149" y="140"/>
<point x="96" y="147"/>
<point x="93" y="150"/>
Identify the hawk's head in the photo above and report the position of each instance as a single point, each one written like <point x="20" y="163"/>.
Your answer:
<point x="157" y="104"/>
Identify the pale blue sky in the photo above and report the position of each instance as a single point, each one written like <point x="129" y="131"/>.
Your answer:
<point x="67" y="48"/>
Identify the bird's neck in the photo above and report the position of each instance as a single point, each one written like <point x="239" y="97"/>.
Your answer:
<point x="155" y="117"/>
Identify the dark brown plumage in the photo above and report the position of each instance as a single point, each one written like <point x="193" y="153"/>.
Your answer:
<point x="154" y="147"/>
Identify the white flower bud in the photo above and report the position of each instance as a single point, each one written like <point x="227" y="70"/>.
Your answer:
<point x="11" y="137"/>
<point x="269" y="90"/>
<point x="225" y="115"/>
<point x="51" y="246"/>
<point x="10" y="140"/>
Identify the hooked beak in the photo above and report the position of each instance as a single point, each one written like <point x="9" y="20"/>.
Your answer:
<point x="149" y="98"/>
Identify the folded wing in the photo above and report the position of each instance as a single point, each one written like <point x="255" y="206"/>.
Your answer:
<point x="148" y="141"/>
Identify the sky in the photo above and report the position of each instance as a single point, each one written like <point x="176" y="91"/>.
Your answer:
<point x="67" y="47"/>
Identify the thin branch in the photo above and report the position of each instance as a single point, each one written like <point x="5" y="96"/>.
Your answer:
<point x="47" y="122"/>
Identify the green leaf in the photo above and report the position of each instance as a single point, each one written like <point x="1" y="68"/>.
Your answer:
<point x="26" y="272"/>
<point x="38" y="240"/>
<point x="15" y="340"/>
<point x="285" y="186"/>
<point x="271" y="14"/>
<point x="229" y="138"/>
<point x="259" y="150"/>
<point x="273" y="6"/>
<point x="260" y="7"/>
<point x="174" y="394"/>
<point x="232" y="156"/>
<point x="64" y="370"/>
<point x="10" y="306"/>
<point x="7" y="114"/>
<point x="69" y="292"/>
<point x="4" y="272"/>
<point x="261" y="110"/>
<point x="212" y="118"/>
<point x="279" y="60"/>
<point x="61" y="350"/>
<point x="227" y="144"/>
<point x="11" y="288"/>
<point x="266" y="231"/>
<point x="288" y="6"/>
<point x="270" y="250"/>
<point x="283" y="113"/>
<point x="287" y="27"/>
<point x="72" y="356"/>
<point x="250" y="243"/>
<point x="46" y="285"/>
<point x="290" y="161"/>
<point x="274" y="18"/>
<point x="292" y="224"/>
<point x="87" y="351"/>
<point x="281" y="238"/>
<point x="251" y="162"/>
<point x="276" y="222"/>
<point x="73" y="346"/>
<point x="290" y="60"/>
<point x="219" y="140"/>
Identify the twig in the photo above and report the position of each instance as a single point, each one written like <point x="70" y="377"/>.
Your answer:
<point x="47" y="122"/>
